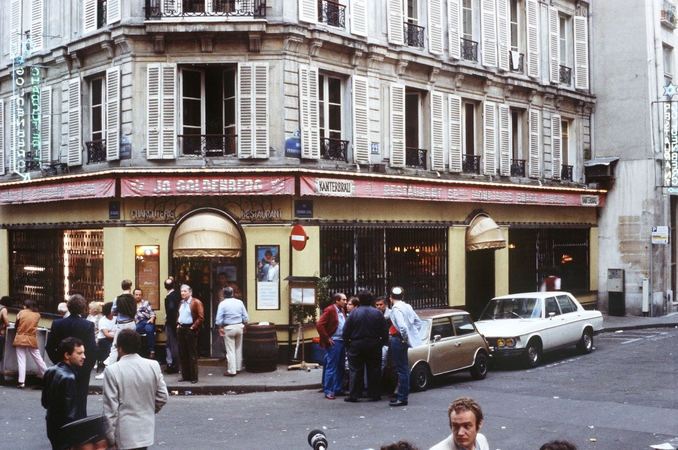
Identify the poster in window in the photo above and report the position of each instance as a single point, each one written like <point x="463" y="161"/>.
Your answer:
<point x="268" y="276"/>
<point x="148" y="273"/>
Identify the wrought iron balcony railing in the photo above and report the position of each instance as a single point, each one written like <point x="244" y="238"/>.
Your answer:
<point x="332" y="13"/>
<point x="565" y="75"/>
<point x="415" y="157"/>
<point x="208" y="144"/>
<point x="334" y="149"/>
<point x="470" y="163"/>
<point x="516" y="61"/>
<point x="469" y="50"/>
<point x="414" y="35"/>
<point x="96" y="151"/>
<point x="566" y="173"/>
<point x="157" y="9"/>
<point x="517" y="167"/>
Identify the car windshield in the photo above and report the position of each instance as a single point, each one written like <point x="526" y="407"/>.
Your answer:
<point x="513" y="308"/>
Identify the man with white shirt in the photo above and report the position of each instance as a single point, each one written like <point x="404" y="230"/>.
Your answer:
<point x="404" y="333"/>
<point x="231" y="320"/>
<point x="466" y="419"/>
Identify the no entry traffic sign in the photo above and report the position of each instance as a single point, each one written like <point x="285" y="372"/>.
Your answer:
<point x="298" y="237"/>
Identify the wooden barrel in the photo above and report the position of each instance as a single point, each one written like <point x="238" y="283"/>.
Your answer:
<point x="260" y="347"/>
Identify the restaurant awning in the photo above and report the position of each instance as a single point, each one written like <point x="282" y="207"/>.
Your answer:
<point x="207" y="235"/>
<point x="484" y="233"/>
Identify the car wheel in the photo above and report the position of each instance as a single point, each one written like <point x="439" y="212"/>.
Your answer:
<point x="420" y="378"/>
<point x="533" y="353"/>
<point x="479" y="369"/>
<point x="585" y="344"/>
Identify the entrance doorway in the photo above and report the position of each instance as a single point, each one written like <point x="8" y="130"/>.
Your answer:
<point x="479" y="280"/>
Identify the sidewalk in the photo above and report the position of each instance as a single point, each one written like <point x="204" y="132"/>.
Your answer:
<point x="213" y="382"/>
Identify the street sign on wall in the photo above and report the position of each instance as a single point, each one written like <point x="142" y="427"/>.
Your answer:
<point x="660" y="235"/>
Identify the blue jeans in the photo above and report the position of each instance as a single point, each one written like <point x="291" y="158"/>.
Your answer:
<point x="148" y="329"/>
<point x="335" y="371"/>
<point x="399" y="354"/>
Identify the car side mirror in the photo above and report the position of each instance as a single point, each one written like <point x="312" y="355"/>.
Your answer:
<point x="436" y="338"/>
<point x="551" y="315"/>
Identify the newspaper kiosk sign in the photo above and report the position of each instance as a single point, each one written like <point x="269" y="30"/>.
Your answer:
<point x="660" y="235"/>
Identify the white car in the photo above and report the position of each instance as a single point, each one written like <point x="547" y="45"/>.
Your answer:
<point x="529" y="324"/>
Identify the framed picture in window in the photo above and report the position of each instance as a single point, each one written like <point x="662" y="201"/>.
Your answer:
<point x="268" y="276"/>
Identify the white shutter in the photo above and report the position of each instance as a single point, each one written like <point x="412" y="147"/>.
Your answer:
<point x="554" y="47"/>
<point x="435" y="27"/>
<point x="534" y="143"/>
<point x="359" y="17"/>
<point x="160" y="112"/>
<point x="490" y="138"/>
<point x="308" y="112"/>
<point x="37" y="25"/>
<point x="556" y="146"/>
<point x="46" y="125"/>
<point x="503" y="34"/>
<point x="532" y="14"/>
<point x="171" y="7"/>
<point x="253" y="110"/>
<point x="488" y="33"/>
<point x="113" y="13"/>
<point x="153" y="111"/>
<point x="90" y="16"/>
<point x="260" y="94"/>
<point x="397" y="125"/>
<point x="12" y="132"/>
<point x="168" y="126"/>
<point x="15" y="29"/>
<point x="437" y="132"/>
<point x="74" y="123"/>
<point x="396" y="30"/>
<point x="113" y="113"/>
<point x="581" y="53"/>
<point x="505" y="139"/>
<point x="361" y="120"/>
<point x="308" y="11"/>
<point x="2" y="137"/>
<point x="454" y="28"/>
<point x="455" y="133"/>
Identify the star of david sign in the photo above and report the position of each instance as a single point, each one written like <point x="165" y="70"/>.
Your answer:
<point x="670" y="90"/>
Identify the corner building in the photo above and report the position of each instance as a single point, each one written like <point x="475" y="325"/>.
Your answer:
<point x="434" y="144"/>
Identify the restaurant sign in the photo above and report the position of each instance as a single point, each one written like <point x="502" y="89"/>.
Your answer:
<point x="58" y="191"/>
<point x="206" y="185"/>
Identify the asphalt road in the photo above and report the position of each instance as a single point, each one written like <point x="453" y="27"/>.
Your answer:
<point x="620" y="397"/>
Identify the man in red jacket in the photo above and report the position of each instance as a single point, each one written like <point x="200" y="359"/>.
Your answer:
<point x="330" y="327"/>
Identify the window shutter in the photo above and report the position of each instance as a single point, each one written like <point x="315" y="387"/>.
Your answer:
<point x="37" y="25"/>
<point x="397" y="125"/>
<point x="12" y="133"/>
<point x="490" y="137"/>
<point x="453" y="28"/>
<point x="556" y="146"/>
<point x="90" y="16"/>
<point x="168" y="76"/>
<point x="505" y="139"/>
<point x="74" y="123"/>
<point x="113" y="113"/>
<point x="253" y="110"/>
<point x="260" y="94"/>
<point x="533" y="146"/>
<point x="46" y="125"/>
<point x="308" y="11"/>
<point x="160" y="111"/>
<point x="437" y="132"/>
<point x="532" y="15"/>
<point x="113" y="13"/>
<point x="396" y="31"/>
<point x="554" y="47"/>
<point x="503" y="35"/>
<point x="581" y="53"/>
<point x="359" y="17"/>
<point x="172" y="7"/>
<point x="455" y="133"/>
<point x="435" y="27"/>
<point x="15" y="29"/>
<point x="3" y="169"/>
<point x="308" y="112"/>
<point x="489" y="33"/>
<point x="153" y="111"/>
<point x="361" y="120"/>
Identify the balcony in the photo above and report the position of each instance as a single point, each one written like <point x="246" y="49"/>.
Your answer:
<point x="517" y="167"/>
<point x="566" y="173"/>
<point x="469" y="50"/>
<point x="516" y="63"/>
<point x="565" y="76"/>
<point x="334" y="149"/>
<point x="415" y="158"/>
<point x="414" y="35"/>
<point x="332" y="13"/>
<point x="470" y="164"/>
<point x="157" y="9"/>
<point x="208" y="144"/>
<point x="96" y="151"/>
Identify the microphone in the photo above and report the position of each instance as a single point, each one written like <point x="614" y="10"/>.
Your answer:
<point x="317" y="440"/>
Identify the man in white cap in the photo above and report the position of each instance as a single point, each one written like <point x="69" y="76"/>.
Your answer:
<point x="404" y="333"/>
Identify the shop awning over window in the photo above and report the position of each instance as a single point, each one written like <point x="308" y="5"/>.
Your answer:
<point x="484" y="233"/>
<point x="207" y="235"/>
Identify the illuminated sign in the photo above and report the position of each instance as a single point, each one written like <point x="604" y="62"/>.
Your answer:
<point x="670" y="129"/>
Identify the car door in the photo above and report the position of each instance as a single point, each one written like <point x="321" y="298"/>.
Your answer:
<point x="444" y="346"/>
<point x="570" y="317"/>
<point x="553" y="334"/>
<point x="468" y="340"/>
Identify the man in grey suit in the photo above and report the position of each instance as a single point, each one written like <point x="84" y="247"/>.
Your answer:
<point x="134" y="392"/>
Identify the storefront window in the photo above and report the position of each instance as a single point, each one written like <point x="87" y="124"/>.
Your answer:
<point x="148" y="273"/>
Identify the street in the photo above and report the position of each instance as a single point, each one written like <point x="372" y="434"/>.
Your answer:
<point x="622" y="396"/>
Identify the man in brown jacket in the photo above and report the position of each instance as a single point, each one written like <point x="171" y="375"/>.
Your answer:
<point x="190" y="320"/>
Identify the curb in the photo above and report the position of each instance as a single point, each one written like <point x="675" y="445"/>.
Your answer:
<point x="183" y="389"/>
